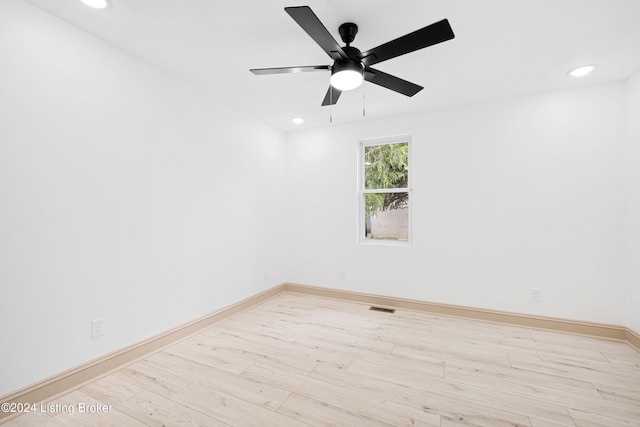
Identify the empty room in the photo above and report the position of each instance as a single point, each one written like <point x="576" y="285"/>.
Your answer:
<point x="358" y="213"/>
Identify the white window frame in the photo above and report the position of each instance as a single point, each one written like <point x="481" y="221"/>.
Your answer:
<point x="361" y="226"/>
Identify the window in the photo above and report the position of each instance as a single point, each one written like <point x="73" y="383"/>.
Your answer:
<point x="384" y="209"/>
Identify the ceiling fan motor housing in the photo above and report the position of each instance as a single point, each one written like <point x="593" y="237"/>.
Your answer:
<point x="347" y="65"/>
<point x="351" y="52"/>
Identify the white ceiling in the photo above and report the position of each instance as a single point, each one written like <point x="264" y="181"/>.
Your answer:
<point x="502" y="48"/>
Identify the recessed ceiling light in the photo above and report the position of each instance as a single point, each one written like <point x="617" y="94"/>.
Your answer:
<point x="298" y="120"/>
<point x="97" y="4"/>
<point x="582" y="71"/>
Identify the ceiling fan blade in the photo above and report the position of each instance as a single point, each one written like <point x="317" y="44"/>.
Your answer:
<point x="287" y="70"/>
<point x="394" y="83"/>
<point x="331" y="98"/>
<point x="309" y="22"/>
<point x="428" y="36"/>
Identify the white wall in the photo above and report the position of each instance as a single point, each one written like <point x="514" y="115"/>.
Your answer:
<point x="633" y="203"/>
<point x="125" y="194"/>
<point x="507" y="196"/>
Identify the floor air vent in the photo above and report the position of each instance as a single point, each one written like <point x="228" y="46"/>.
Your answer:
<point x="382" y="309"/>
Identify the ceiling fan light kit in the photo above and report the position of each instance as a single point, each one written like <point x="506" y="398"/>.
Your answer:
<point x="351" y="66"/>
<point x="347" y="74"/>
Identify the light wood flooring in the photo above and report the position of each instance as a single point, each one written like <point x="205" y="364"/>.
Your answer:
<point x="299" y="360"/>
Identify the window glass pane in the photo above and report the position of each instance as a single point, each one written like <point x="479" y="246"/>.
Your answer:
<point x="386" y="216"/>
<point x="386" y="166"/>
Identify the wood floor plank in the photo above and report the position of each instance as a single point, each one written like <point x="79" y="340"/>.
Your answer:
<point x="230" y="347"/>
<point x="152" y="379"/>
<point x="230" y="409"/>
<point x="417" y="416"/>
<point x="431" y="401"/>
<point x="301" y="346"/>
<point x="261" y="394"/>
<point x="584" y="342"/>
<point x="632" y="360"/>
<point x="450" y="422"/>
<point x="486" y="343"/>
<point x="552" y="395"/>
<point x="557" y="350"/>
<point x="524" y="377"/>
<point x="412" y="374"/>
<point x="33" y="419"/>
<point x="391" y="336"/>
<point x="542" y="423"/>
<point x="592" y="419"/>
<point x="479" y="395"/>
<point x="111" y="390"/>
<point x="360" y="404"/>
<point x="320" y="414"/>
<point x="444" y="352"/>
<point x="157" y="411"/>
<point x="619" y="394"/>
<point x="209" y="355"/>
<point x="330" y="336"/>
<point x="573" y="371"/>
<point x="366" y="385"/>
<point x="341" y="345"/>
<point x="285" y="348"/>
<point x="588" y="363"/>
<point x="91" y="415"/>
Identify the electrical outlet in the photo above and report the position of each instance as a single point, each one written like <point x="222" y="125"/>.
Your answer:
<point x="97" y="328"/>
<point x="535" y="294"/>
<point x="343" y="275"/>
<point x="266" y="275"/>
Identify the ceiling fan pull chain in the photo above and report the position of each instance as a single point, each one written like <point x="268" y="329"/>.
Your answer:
<point x="363" y="85"/>
<point x="330" y="103"/>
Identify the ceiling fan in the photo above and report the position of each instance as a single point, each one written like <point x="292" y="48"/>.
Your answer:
<point x="350" y="66"/>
